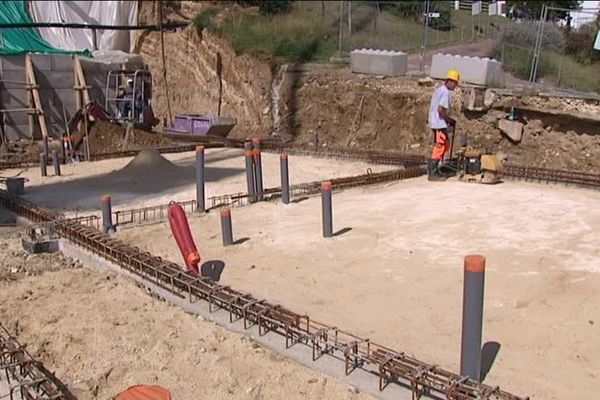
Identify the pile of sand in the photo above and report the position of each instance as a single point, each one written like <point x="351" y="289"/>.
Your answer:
<point x="149" y="164"/>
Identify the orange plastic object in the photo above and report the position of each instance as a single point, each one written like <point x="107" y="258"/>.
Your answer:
<point x="144" y="392"/>
<point x="475" y="263"/>
<point x="181" y="232"/>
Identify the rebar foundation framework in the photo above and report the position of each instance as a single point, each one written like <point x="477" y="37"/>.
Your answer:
<point x="297" y="329"/>
<point x="25" y="377"/>
<point x="158" y="213"/>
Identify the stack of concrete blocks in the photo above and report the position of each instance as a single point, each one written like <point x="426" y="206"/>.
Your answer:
<point x="476" y="70"/>
<point x="55" y="77"/>
<point x="378" y="62"/>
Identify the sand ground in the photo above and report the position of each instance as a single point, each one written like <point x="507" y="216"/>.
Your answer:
<point x="81" y="185"/>
<point x="100" y="334"/>
<point x="394" y="273"/>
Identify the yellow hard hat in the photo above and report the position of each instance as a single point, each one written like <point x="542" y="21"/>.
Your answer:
<point x="454" y="75"/>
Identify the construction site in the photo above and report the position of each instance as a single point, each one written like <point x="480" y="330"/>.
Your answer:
<point x="180" y="219"/>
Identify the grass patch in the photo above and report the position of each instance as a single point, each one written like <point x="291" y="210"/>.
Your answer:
<point x="303" y="34"/>
<point x="554" y="68"/>
<point x="204" y="19"/>
<point x="310" y="31"/>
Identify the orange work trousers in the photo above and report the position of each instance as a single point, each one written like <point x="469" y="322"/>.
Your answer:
<point x="441" y="145"/>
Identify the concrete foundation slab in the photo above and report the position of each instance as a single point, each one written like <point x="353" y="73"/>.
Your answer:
<point x="82" y="184"/>
<point x="393" y="271"/>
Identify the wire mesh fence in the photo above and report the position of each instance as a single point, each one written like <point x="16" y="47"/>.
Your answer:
<point x="319" y="30"/>
<point x="411" y="25"/>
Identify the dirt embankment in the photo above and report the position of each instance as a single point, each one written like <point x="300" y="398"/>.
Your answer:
<point x="196" y="62"/>
<point x="350" y="110"/>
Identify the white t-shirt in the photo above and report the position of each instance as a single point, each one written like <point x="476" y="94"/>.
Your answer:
<point x="440" y="98"/>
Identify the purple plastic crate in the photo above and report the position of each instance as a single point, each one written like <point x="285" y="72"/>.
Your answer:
<point x="194" y="124"/>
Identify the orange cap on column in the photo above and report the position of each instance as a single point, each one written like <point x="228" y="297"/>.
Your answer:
<point x="199" y="149"/>
<point x="326" y="185"/>
<point x="106" y="198"/>
<point x="475" y="263"/>
<point x="225" y="212"/>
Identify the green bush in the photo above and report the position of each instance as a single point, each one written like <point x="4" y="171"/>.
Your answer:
<point x="204" y="19"/>
<point x="525" y="35"/>
<point x="579" y="44"/>
<point x="414" y="10"/>
<point x="517" y="61"/>
<point x="268" y="7"/>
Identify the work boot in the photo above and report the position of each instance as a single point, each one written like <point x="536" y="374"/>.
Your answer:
<point x="433" y="172"/>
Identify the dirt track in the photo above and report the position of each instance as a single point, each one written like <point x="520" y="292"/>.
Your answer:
<point x="101" y="334"/>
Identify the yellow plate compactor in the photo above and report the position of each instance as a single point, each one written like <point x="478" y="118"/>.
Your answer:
<point x="475" y="166"/>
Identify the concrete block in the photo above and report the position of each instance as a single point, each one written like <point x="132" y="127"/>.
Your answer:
<point x="14" y="131"/>
<point x="42" y="62"/>
<point x="512" y="129"/>
<point x="37" y="246"/>
<point x="66" y="96"/>
<point x="378" y="62"/>
<point x="13" y="63"/>
<point x="480" y="71"/>
<point x="12" y="75"/>
<point x="16" y="118"/>
<point x="13" y="98"/>
<point x="55" y="79"/>
<point x="62" y="62"/>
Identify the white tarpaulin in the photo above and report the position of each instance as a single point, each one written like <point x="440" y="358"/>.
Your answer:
<point x="86" y="12"/>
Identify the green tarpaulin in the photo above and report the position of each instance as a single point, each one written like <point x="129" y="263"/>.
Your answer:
<point x="22" y="40"/>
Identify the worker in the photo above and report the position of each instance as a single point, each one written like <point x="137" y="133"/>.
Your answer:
<point x="440" y="122"/>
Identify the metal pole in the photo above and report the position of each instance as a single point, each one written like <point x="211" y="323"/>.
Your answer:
<point x="258" y="176"/>
<point x="43" y="164"/>
<point x="200" y="182"/>
<point x="45" y="147"/>
<point x="341" y="38"/>
<point x="285" y="179"/>
<point x="248" y="154"/>
<point x="560" y="66"/>
<point x="424" y="44"/>
<point x="327" y="209"/>
<point x="472" y="319"/>
<point x="538" y="45"/>
<point x="349" y="19"/>
<point x="56" y="162"/>
<point x="541" y="42"/>
<point x="86" y="149"/>
<point x="226" y="229"/>
<point x="107" y="223"/>
<point x="63" y="151"/>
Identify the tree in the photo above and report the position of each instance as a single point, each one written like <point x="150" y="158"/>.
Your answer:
<point x="414" y="10"/>
<point x="535" y="8"/>
<point x="269" y="6"/>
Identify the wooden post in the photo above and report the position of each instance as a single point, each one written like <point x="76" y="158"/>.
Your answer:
<point x="76" y="84"/>
<point x="30" y="75"/>
<point x="82" y="83"/>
